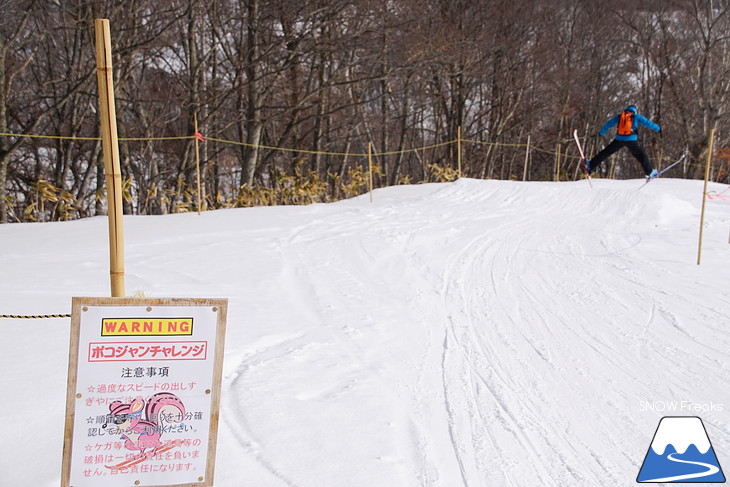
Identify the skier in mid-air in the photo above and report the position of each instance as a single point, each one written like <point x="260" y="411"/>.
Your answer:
<point x="627" y="128"/>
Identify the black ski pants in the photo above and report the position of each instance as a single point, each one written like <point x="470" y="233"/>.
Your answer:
<point x="633" y="146"/>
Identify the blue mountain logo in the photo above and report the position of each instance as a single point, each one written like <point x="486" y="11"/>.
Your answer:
<point x="681" y="452"/>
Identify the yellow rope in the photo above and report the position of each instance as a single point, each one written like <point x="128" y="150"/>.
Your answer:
<point x="180" y="137"/>
<point x="344" y="154"/>
<point x="66" y="137"/>
<point x="33" y="317"/>
<point x="500" y="144"/>
<point x="32" y="136"/>
<point x="301" y="151"/>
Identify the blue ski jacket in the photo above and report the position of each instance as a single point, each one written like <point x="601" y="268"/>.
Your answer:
<point x="638" y="119"/>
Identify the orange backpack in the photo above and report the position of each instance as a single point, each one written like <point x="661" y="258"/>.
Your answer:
<point x="625" y="123"/>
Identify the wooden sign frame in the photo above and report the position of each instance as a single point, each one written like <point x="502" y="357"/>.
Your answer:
<point x="160" y="313"/>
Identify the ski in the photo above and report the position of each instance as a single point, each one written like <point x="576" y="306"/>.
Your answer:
<point x="681" y="158"/>
<point x="141" y="457"/>
<point x="582" y="157"/>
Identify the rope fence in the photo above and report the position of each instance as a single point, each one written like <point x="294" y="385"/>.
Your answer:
<point x="34" y="317"/>
<point x="202" y="138"/>
<point x="61" y="204"/>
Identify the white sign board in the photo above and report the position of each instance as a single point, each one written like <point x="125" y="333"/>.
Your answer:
<point x="144" y="392"/>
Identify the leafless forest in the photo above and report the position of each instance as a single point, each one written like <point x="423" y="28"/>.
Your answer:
<point x="289" y="95"/>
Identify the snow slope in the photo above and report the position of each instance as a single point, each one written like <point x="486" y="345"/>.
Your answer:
<point x="477" y="333"/>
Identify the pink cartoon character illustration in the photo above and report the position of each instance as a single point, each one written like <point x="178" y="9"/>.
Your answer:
<point x="141" y="423"/>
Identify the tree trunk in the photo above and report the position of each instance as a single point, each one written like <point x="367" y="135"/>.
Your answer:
<point x="254" y="123"/>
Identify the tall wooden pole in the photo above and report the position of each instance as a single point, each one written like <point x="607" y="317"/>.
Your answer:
<point x="704" y="194"/>
<point x="110" y="145"/>
<point x="197" y="157"/>
<point x="527" y="159"/>
<point x="370" y="169"/>
<point x="458" y="151"/>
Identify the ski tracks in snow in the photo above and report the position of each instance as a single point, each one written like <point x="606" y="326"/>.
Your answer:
<point x="513" y="371"/>
<point x="492" y="388"/>
<point x="544" y="334"/>
<point x="369" y="296"/>
<point x="510" y="350"/>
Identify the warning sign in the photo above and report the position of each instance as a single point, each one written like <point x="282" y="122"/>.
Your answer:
<point x="146" y="327"/>
<point x="144" y="392"/>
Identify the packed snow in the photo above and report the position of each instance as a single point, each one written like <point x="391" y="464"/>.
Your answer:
<point x="475" y="333"/>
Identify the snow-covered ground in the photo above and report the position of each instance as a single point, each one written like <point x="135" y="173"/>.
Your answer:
<point x="476" y="333"/>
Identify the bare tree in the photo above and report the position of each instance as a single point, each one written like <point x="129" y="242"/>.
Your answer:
<point x="323" y="79"/>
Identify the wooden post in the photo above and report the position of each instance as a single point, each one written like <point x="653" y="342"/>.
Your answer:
<point x="557" y="161"/>
<point x="110" y="145"/>
<point x="527" y="159"/>
<point x="370" y="170"/>
<point x="704" y="194"/>
<point x="458" y="151"/>
<point x="197" y="157"/>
